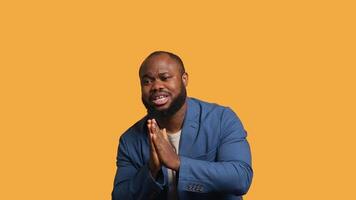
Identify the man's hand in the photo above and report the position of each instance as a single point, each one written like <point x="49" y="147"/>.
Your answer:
<point x="154" y="162"/>
<point x="163" y="149"/>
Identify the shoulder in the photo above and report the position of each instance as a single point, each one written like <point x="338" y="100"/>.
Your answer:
<point x="213" y="114"/>
<point x="135" y="132"/>
<point x="133" y="144"/>
<point x="210" y="109"/>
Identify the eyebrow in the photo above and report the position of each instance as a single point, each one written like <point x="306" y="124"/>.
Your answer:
<point x="149" y="76"/>
<point x="162" y="73"/>
<point x="146" y="76"/>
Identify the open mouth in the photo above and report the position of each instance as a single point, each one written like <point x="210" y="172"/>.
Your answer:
<point x="160" y="100"/>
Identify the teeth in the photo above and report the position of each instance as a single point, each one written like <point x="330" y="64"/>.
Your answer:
<point x="160" y="100"/>
<point x="159" y="97"/>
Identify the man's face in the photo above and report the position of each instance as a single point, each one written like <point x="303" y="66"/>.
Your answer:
<point x="162" y="86"/>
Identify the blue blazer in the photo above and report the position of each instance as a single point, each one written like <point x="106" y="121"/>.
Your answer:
<point x="215" y="158"/>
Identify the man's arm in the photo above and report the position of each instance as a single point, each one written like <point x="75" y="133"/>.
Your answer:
<point x="132" y="182"/>
<point x="232" y="171"/>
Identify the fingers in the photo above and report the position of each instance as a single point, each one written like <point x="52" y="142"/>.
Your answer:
<point x="164" y="132"/>
<point x="162" y="152"/>
<point x="155" y="127"/>
<point x="150" y="138"/>
<point x="155" y="130"/>
<point x="150" y="126"/>
<point x="152" y="145"/>
<point x="150" y="134"/>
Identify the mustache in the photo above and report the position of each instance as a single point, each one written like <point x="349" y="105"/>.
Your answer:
<point x="160" y="93"/>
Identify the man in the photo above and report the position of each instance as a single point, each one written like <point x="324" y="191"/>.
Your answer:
<point x="183" y="148"/>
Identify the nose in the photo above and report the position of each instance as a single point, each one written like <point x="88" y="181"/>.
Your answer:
<point x="157" y="85"/>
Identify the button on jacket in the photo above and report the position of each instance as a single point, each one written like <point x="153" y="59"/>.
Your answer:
<point x="215" y="158"/>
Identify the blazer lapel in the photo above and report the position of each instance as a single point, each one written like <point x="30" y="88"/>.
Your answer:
<point x="190" y="128"/>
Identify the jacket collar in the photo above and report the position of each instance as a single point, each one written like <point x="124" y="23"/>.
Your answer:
<point x="190" y="127"/>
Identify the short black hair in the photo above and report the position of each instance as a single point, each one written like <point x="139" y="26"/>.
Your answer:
<point x="175" y="57"/>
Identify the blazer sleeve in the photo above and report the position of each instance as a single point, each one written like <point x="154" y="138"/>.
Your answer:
<point x="231" y="172"/>
<point x="133" y="182"/>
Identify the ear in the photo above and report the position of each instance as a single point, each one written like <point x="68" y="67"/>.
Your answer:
<point x="185" y="79"/>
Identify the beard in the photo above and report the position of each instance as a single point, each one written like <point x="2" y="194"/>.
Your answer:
<point x="176" y="104"/>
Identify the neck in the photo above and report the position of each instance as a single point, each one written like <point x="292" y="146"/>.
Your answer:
<point x="175" y="122"/>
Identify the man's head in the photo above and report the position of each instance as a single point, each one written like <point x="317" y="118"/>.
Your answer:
<point x="163" y="84"/>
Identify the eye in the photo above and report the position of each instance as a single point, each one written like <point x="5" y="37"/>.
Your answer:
<point x="164" y="78"/>
<point x="146" y="81"/>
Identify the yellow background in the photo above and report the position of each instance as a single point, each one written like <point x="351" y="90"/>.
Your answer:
<point x="69" y="88"/>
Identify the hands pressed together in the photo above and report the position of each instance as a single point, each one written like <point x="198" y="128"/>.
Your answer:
<point x="161" y="151"/>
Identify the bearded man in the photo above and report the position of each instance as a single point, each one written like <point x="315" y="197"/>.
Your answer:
<point x="184" y="148"/>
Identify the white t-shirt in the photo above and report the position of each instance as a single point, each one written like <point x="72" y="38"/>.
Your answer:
<point x="172" y="182"/>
